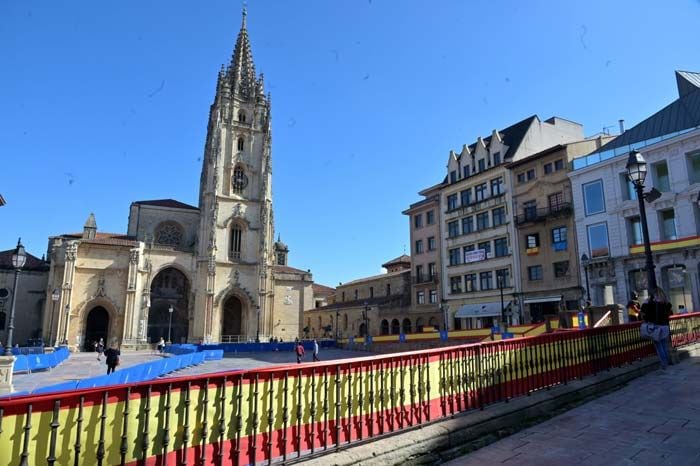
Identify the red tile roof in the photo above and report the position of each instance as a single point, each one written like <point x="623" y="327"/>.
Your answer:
<point x="287" y="269"/>
<point x="32" y="263"/>
<point x="402" y="259"/>
<point x="167" y="203"/>
<point x="115" y="239"/>
<point x="322" y="289"/>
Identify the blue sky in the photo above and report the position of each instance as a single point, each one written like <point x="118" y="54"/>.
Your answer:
<point x="106" y="103"/>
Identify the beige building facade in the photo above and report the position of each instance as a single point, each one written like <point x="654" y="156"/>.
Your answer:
<point x="425" y="234"/>
<point x="378" y="305"/>
<point x="31" y="296"/>
<point x="544" y="221"/>
<point x="210" y="272"/>
<point x="480" y="267"/>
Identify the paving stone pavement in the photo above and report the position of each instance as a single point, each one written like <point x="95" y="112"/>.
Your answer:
<point x="654" y="420"/>
<point x="84" y="365"/>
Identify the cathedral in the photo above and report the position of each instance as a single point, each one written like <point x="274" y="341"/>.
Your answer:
<point x="206" y="273"/>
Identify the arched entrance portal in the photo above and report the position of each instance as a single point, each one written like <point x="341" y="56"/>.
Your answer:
<point x="170" y="288"/>
<point x="96" y="327"/>
<point x="232" y="324"/>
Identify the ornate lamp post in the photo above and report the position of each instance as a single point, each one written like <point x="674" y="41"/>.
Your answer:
<point x="170" y="323"/>
<point x="19" y="257"/>
<point x="257" y="331"/>
<point x="585" y="261"/>
<point x="365" y="318"/>
<point x="337" y="323"/>
<point x="55" y="296"/>
<point x="503" y="309"/>
<point x="637" y="173"/>
<point x="444" y="308"/>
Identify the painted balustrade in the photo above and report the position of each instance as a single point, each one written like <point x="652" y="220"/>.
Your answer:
<point x="285" y="412"/>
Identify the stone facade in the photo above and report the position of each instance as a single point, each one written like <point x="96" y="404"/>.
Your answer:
<point x="381" y="303"/>
<point x="190" y="273"/>
<point x="544" y="219"/>
<point x="31" y="295"/>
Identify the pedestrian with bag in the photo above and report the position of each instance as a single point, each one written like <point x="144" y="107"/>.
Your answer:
<point x="655" y="313"/>
<point x="299" y="349"/>
<point x="112" y="358"/>
<point x="633" y="308"/>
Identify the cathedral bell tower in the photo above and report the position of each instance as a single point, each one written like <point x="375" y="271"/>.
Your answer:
<point x="234" y="249"/>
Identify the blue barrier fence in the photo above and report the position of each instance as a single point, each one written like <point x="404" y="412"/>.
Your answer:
<point x="38" y="362"/>
<point x="138" y="373"/>
<point x="18" y="350"/>
<point x="257" y="347"/>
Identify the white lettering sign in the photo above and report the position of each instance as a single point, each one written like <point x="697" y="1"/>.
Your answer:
<point x="474" y="256"/>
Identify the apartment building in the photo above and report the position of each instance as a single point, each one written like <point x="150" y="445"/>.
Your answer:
<point x="607" y="216"/>
<point x="544" y="221"/>
<point x="425" y="231"/>
<point x="479" y="269"/>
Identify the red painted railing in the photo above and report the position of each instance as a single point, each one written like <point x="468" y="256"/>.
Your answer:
<point x="283" y="412"/>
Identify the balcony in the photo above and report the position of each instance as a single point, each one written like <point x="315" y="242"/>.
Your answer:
<point x="418" y="279"/>
<point x="534" y="215"/>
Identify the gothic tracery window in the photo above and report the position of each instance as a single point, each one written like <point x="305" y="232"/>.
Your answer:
<point x="239" y="181"/>
<point x="168" y="234"/>
<point x="241" y="143"/>
<point x="241" y="116"/>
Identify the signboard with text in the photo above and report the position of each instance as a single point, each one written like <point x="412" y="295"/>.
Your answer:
<point x="474" y="256"/>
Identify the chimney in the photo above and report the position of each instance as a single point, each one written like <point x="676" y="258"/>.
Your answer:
<point x="622" y="126"/>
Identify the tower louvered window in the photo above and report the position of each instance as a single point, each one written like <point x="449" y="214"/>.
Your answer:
<point x="236" y="241"/>
<point x="240" y="180"/>
<point x="240" y="143"/>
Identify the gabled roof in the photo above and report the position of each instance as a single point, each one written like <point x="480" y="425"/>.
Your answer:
<point x="322" y="289"/>
<point x="32" y="263"/>
<point x="172" y="203"/>
<point x="287" y="269"/>
<point x="681" y="114"/>
<point x="511" y="136"/>
<point x="114" y="239"/>
<point x="402" y="259"/>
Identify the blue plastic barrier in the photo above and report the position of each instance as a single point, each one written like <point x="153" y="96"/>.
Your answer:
<point x="39" y="361"/>
<point x="21" y="364"/>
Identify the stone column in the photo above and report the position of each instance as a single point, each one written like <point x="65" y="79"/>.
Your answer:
<point x="131" y="295"/>
<point x="6" y="365"/>
<point x="66" y="290"/>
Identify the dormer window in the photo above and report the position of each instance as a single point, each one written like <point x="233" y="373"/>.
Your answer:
<point x="240" y="143"/>
<point x="241" y="116"/>
<point x="496" y="159"/>
<point x="482" y="165"/>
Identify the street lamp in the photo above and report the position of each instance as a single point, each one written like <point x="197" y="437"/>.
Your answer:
<point x="503" y="309"/>
<point x="444" y="308"/>
<point x="585" y="261"/>
<point x="637" y="172"/>
<point x="337" y="323"/>
<point x="55" y="296"/>
<point x="19" y="257"/>
<point x="170" y="323"/>
<point x="257" y="331"/>
<point x="365" y="317"/>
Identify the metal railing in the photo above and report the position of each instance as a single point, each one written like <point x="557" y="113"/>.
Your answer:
<point x="533" y="214"/>
<point x="418" y="279"/>
<point x="285" y="412"/>
<point x="243" y="338"/>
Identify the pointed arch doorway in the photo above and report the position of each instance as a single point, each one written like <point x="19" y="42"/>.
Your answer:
<point x="96" y="327"/>
<point x="232" y="324"/>
<point x="169" y="288"/>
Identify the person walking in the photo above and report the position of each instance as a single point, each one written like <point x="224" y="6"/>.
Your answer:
<point x="655" y="313"/>
<point x="299" y="349"/>
<point x="100" y="348"/>
<point x="112" y="358"/>
<point x="316" y="351"/>
<point x="161" y="345"/>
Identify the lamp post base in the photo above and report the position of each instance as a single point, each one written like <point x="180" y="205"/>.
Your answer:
<point x="7" y="364"/>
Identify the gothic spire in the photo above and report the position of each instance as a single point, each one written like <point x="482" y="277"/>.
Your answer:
<point x="242" y="69"/>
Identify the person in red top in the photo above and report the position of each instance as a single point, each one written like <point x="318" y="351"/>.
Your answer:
<point x="300" y="351"/>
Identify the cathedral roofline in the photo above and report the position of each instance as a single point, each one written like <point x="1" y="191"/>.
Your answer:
<point x="172" y="203"/>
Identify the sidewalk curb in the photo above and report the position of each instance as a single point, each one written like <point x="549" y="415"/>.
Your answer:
<point x="439" y="441"/>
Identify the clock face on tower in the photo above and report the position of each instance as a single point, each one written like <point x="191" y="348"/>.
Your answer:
<point x="239" y="180"/>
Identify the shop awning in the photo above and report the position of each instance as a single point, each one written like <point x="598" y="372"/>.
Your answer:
<point x="481" y="310"/>
<point x="542" y="299"/>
